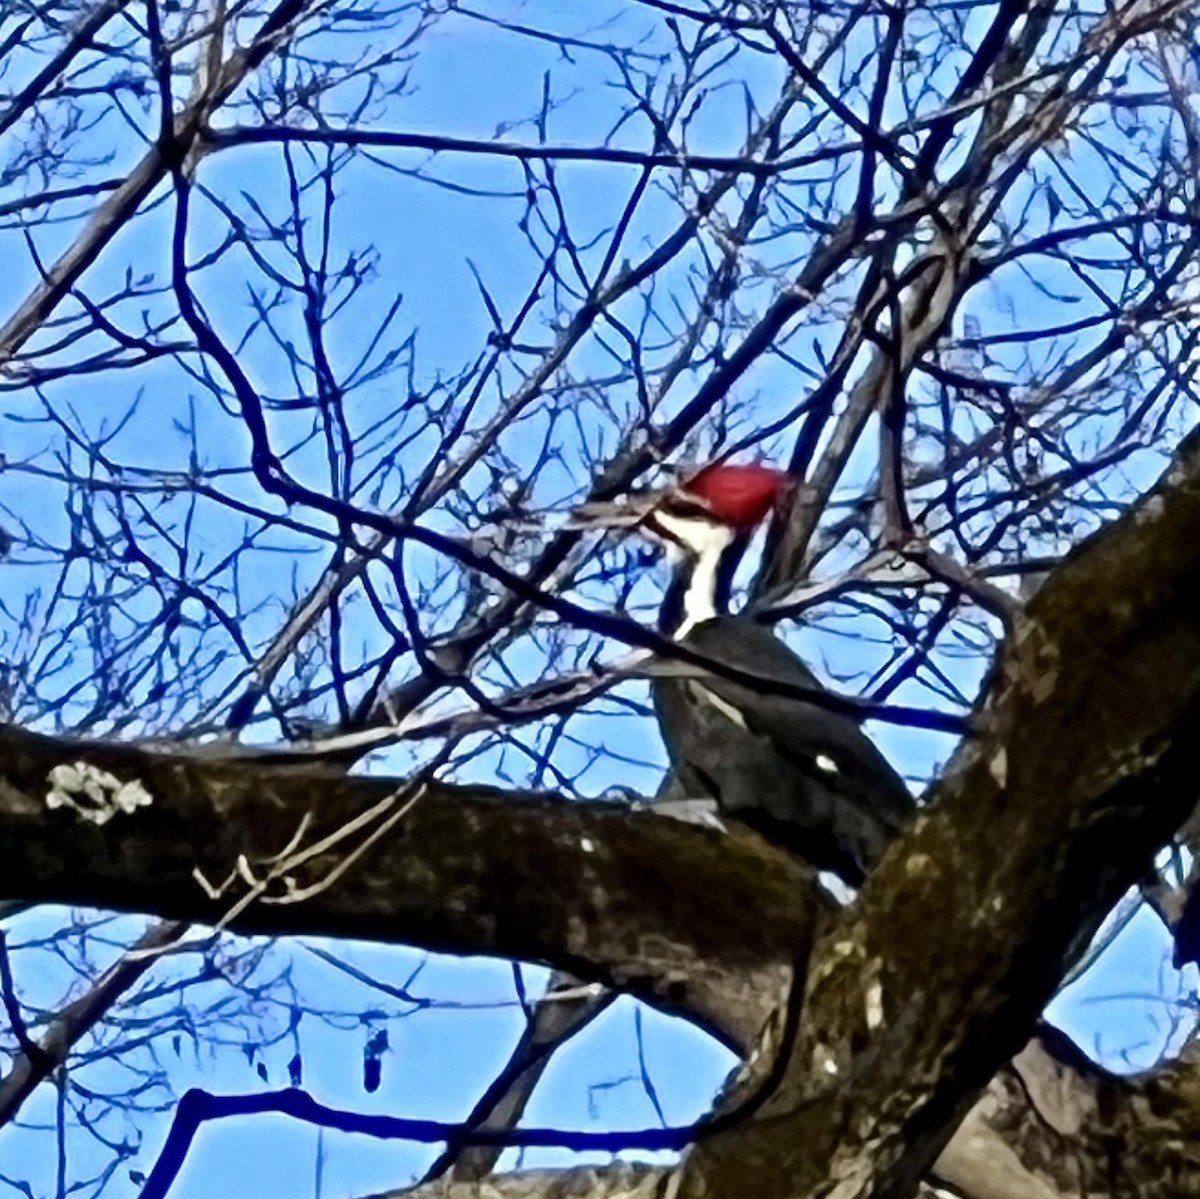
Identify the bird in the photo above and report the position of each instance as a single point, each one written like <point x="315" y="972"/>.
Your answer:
<point x="802" y="774"/>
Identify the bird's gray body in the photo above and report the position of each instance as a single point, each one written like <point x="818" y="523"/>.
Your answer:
<point x="804" y="776"/>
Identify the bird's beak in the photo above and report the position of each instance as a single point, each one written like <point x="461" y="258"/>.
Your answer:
<point x="626" y="513"/>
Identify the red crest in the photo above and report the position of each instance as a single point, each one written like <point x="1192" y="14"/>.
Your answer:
<point x="739" y="496"/>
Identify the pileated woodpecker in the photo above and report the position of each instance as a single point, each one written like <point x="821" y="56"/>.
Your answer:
<point x="804" y="776"/>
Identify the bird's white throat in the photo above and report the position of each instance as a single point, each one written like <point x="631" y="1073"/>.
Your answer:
<point x="705" y="544"/>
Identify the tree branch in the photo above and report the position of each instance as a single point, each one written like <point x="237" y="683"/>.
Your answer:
<point x="686" y="917"/>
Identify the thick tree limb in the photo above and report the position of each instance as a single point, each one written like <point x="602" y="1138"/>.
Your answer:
<point x="1051" y="1125"/>
<point x="1086" y="763"/>
<point x="688" y="917"/>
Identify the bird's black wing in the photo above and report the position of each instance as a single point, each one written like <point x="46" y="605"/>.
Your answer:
<point x="777" y="760"/>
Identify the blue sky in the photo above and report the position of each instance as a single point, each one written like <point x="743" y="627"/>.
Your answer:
<point x="468" y="79"/>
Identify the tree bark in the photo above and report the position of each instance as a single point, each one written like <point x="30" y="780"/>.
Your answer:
<point x="700" y="922"/>
<point x="1083" y="764"/>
